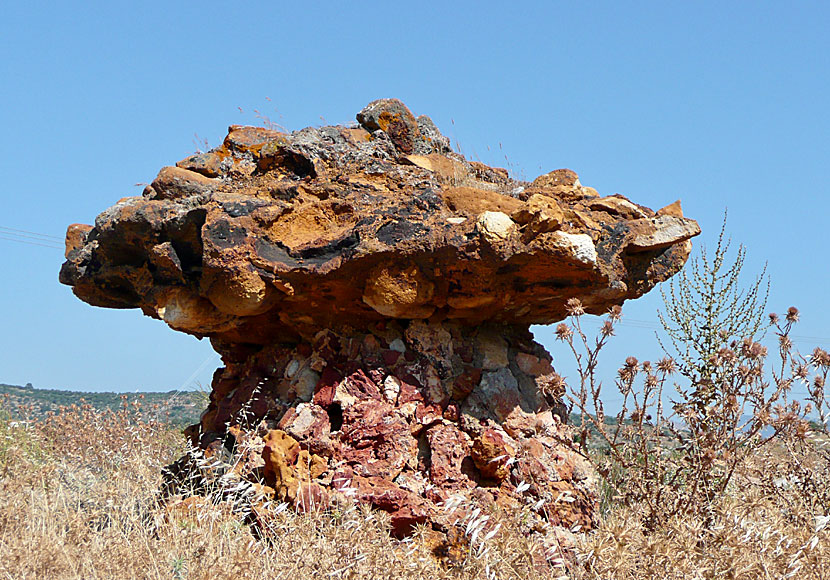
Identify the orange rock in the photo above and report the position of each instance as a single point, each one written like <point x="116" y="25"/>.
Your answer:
<point x="208" y="164"/>
<point x="323" y="227"/>
<point x="617" y="205"/>
<point x="540" y="214"/>
<point x="250" y="139"/>
<point x="280" y="453"/>
<point x="76" y="237"/>
<point x="309" y="466"/>
<point x="445" y="168"/>
<point x="491" y="452"/>
<point x="673" y="209"/>
<point x="472" y="201"/>
<point x="175" y="182"/>
<point x="399" y="292"/>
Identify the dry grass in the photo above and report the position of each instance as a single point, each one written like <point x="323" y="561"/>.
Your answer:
<point x="750" y="536"/>
<point x="80" y="501"/>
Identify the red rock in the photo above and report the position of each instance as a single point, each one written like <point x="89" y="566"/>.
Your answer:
<point x="452" y="412"/>
<point x="406" y="508"/>
<point x="390" y="357"/>
<point x="532" y="365"/>
<point x="311" y="497"/>
<point x="465" y="383"/>
<point x="448" y="448"/>
<point x="409" y="392"/>
<point x="360" y="386"/>
<point x="428" y="414"/>
<point x="324" y="391"/>
<point x="376" y="442"/>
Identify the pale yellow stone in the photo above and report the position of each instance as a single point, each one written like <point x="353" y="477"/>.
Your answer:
<point x="495" y="226"/>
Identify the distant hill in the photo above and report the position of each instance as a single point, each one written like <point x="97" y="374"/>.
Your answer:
<point x="180" y="408"/>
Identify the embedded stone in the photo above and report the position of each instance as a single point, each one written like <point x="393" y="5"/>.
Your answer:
<point x="495" y="226"/>
<point x="76" y="237"/>
<point x="175" y="182"/>
<point x="208" y="164"/>
<point x="617" y="205"/>
<point x="579" y="246"/>
<point x="661" y="232"/>
<point x="399" y="292"/>
<point x="393" y="118"/>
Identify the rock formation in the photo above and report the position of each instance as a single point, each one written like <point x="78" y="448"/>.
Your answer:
<point x="370" y="292"/>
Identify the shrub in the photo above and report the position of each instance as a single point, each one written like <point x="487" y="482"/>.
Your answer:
<point x="681" y="458"/>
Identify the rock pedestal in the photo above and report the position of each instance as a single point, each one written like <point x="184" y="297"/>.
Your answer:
<point x="405" y="416"/>
<point x="370" y="292"/>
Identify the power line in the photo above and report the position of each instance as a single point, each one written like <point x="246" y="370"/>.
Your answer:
<point x="46" y="245"/>
<point x="802" y="338"/>
<point x="195" y="373"/>
<point x="30" y="238"/>
<point x="27" y="237"/>
<point x="48" y="236"/>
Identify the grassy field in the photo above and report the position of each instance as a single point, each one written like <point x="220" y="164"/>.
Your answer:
<point x="80" y="500"/>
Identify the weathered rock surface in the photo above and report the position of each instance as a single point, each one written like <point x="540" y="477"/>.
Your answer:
<point x="404" y="417"/>
<point x="370" y="292"/>
<point x="277" y="235"/>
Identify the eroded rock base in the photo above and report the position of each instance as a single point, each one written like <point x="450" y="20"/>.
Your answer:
<point x="408" y="418"/>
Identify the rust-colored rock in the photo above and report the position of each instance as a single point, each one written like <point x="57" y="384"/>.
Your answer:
<point x="76" y="235"/>
<point x="280" y="454"/>
<point x="492" y="451"/>
<point x="274" y="235"/>
<point x="370" y="292"/>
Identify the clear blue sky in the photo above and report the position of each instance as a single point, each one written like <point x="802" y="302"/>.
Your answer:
<point x="718" y="103"/>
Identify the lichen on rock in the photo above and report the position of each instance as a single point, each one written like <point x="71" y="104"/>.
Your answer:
<point x="370" y="292"/>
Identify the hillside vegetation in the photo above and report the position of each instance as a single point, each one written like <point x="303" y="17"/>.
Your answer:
<point x="179" y="408"/>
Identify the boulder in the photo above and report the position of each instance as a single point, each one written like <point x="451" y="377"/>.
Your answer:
<point x="370" y="293"/>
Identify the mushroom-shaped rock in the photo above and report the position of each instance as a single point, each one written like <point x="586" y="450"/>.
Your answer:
<point x="370" y="292"/>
